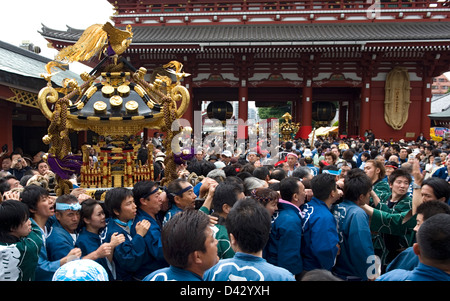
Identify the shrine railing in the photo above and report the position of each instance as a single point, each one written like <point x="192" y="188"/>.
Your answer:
<point x="171" y="6"/>
<point x="204" y="11"/>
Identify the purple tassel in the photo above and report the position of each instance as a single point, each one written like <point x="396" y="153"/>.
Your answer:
<point x="65" y="168"/>
<point x="110" y="51"/>
<point x="184" y="155"/>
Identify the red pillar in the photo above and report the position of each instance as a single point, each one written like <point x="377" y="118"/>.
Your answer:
<point x="350" y="121"/>
<point x="426" y="107"/>
<point x="343" y="108"/>
<point x="297" y="116"/>
<point x="6" y="125"/>
<point x="364" y="116"/>
<point x="306" y="122"/>
<point x="243" y="110"/>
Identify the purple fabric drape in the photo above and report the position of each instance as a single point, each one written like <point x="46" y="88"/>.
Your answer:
<point x="65" y="167"/>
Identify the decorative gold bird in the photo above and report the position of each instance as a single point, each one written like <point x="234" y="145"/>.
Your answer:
<point x="95" y="40"/>
<point x="118" y="40"/>
<point x="177" y="66"/>
<point x="49" y="67"/>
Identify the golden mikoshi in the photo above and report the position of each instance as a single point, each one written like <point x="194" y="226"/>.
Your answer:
<point x="113" y="101"/>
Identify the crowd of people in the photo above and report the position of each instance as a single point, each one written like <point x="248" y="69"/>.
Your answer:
<point x="334" y="210"/>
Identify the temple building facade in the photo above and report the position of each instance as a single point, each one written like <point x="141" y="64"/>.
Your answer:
<point x="374" y="60"/>
<point x="22" y="123"/>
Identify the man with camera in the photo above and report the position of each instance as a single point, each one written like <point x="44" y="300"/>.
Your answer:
<point x="19" y="166"/>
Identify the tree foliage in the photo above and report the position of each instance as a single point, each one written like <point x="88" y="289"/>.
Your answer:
<point x="274" y="112"/>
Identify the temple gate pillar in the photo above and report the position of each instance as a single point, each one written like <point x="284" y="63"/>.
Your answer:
<point x="364" y="116"/>
<point x="426" y="107"/>
<point x="243" y="109"/>
<point x="306" y="122"/>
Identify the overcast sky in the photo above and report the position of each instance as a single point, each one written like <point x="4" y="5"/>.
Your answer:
<point x="22" y="19"/>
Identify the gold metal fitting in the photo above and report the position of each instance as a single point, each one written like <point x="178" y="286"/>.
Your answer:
<point x="116" y="102"/>
<point x="100" y="107"/>
<point x="124" y="90"/>
<point x="107" y="91"/>
<point x="131" y="106"/>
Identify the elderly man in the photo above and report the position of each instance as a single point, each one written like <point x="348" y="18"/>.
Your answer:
<point x="292" y="162"/>
<point x="443" y="172"/>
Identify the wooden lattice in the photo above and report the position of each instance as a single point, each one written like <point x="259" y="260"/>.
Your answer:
<point x="24" y="98"/>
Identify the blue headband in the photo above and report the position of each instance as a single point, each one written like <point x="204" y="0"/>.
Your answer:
<point x="64" y="206"/>
<point x="183" y="190"/>
<point x="151" y="192"/>
<point x="332" y="172"/>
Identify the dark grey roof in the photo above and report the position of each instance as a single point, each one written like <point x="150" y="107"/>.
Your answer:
<point x="18" y="61"/>
<point x="444" y="115"/>
<point x="324" y="32"/>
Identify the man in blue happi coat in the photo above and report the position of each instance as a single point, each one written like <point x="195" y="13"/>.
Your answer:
<point x="248" y="225"/>
<point x="284" y="245"/>
<point x="320" y="237"/>
<point x="433" y="250"/>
